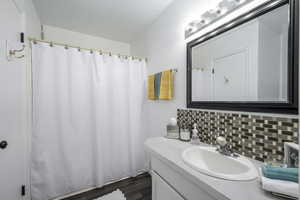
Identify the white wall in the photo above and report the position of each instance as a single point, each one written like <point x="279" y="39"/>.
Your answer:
<point x="32" y="21"/>
<point x="164" y="45"/>
<point x="83" y="40"/>
<point x="273" y="41"/>
<point x="269" y="64"/>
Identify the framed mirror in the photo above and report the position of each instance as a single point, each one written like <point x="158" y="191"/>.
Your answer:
<point x="248" y="64"/>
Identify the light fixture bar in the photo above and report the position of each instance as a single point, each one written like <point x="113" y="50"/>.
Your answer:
<point x="224" y="8"/>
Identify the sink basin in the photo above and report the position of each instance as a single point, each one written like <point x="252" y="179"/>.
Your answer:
<point x="210" y="162"/>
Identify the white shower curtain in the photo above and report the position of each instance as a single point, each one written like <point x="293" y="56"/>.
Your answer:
<point x="87" y="112"/>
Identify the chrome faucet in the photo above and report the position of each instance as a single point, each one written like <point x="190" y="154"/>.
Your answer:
<point x="224" y="148"/>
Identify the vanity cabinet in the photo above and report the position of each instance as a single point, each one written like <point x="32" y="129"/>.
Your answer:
<point x="170" y="184"/>
<point x="173" y="179"/>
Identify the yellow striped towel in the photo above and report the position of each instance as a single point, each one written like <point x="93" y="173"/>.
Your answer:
<point x="166" y="85"/>
<point x="151" y="90"/>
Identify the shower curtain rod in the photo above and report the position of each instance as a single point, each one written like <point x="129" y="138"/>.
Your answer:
<point x="87" y="49"/>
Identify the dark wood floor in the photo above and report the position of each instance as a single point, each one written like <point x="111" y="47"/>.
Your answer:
<point x="137" y="188"/>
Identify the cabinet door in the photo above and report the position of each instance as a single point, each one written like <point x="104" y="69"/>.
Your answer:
<point x="162" y="190"/>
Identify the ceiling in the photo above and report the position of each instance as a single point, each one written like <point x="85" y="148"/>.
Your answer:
<point x="118" y="20"/>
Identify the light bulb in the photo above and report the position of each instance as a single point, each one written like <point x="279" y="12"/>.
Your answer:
<point x="190" y="28"/>
<point x="221" y="11"/>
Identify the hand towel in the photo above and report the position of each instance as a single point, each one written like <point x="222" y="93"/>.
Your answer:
<point x="157" y="82"/>
<point x="280" y="173"/>
<point x="166" y="85"/>
<point x="151" y="89"/>
<point x="281" y="187"/>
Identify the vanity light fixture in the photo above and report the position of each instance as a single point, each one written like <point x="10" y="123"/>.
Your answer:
<point x="224" y="8"/>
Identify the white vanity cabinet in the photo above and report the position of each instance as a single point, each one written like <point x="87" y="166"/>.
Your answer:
<point x="173" y="179"/>
<point x="169" y="184"/>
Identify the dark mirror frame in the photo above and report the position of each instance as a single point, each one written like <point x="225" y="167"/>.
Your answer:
<point x="291" y="107"/>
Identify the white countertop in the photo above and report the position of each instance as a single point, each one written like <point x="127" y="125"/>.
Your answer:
<point x="170" y="150"/>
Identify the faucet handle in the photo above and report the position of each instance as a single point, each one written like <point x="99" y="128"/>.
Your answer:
<point x="221" y="141"/>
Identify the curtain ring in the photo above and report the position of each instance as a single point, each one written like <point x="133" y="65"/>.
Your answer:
<point x="51" y="44"/>
<point x="91" y="51"/>
<point x="110" y="54"/>
<point x="100" y="52"/>
<point x="79" y="49"/>
<point x="66" y="47"/>
<point x="34" y="41"/>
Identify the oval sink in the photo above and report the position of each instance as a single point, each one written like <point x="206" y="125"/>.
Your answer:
<point x="210" y="162"/>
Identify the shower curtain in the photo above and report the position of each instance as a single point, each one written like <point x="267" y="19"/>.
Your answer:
<point x="87" y="113"/>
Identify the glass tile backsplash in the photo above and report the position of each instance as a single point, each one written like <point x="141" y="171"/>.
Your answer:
<point x="259" y="137"/>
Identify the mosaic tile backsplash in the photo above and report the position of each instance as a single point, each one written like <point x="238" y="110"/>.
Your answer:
<point x="254" y="136"/>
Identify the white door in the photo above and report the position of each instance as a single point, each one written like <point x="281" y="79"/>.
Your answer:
<point x="12" y="105"/>
<point x="230" y="77"/>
